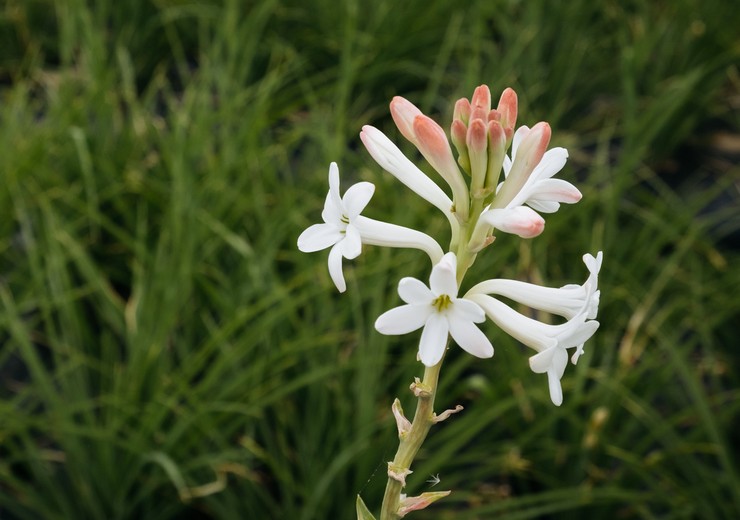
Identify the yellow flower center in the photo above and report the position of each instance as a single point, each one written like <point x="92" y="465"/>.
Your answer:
<point x="441" y="302"/>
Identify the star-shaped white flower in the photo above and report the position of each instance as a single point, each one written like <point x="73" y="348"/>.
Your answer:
<point x="339" y="230"/>
<point x="440" y="312"/>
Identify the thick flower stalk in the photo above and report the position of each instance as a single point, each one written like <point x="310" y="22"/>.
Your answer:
<point x="482" y="189"/>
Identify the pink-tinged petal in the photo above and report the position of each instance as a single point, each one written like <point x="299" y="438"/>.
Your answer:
<point x="335" y="268"/>
<point x="403" y="319"/>
<point x="525" y="159"/>
<point x="468" y="311"/>
<point x="404" y="112"/>
<point x="470" y="338"/>
<point x="443" y="279"/>
<point x="318" y="237"/>
<point x="409" y="504"/>
<point x="413" y="291"/>
<point x="481" y="97"/>
<point x="433" y="339"/>
<point x="521" y="221"/>
<point x="357" y="197"/>
<point x="352" y="243"/>
<point x="556" y="390"/>
<point x="334" y="185"/>
<point x="390" y="158"/>
<point x="556" y="190"/>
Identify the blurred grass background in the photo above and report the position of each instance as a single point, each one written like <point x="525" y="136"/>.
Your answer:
<point x="167" y="353"/>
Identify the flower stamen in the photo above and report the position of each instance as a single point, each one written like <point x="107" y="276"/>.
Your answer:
<point x="441" y="302"/>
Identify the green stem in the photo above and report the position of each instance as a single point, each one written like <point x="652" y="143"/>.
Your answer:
<point x="411" y="442"/>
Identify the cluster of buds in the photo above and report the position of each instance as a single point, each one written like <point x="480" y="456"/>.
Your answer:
<point x="481" y="203"/>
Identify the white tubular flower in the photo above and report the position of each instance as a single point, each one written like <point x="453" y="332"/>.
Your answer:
<point x="440" y="312"/>
<point x="390" y="158"/>
<point x="550" y="341"/>
<point x="377" y="233"/>
<point x="567" y="301"/>
<point x="339" y="229"/>
<point x="540" y="191"/>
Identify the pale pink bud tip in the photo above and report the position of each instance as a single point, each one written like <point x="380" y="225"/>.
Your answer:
<point x="462" y="110"/>
<point x="482" y="97"/>
<point x="404" y="112"/>
<point x="477" y="138"/>
<point x="508" y="106"/>
<point x="431" y="137"/>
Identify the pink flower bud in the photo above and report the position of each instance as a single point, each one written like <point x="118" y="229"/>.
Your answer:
<point x="404" y="112"/>
<point x="482" y="98"/>
<point x="462" y="111"/>
<point x="507" y="105"/>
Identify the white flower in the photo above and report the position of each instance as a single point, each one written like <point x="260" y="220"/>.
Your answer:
<point x="539" y="190"/>
<point x="440" y="312"/>
<point x="345" y="230"/>
<point x="550" y="341"/>
<point x="577" y="303"/>
<point x="338" y="230"/>
<point x="567" y="301"/>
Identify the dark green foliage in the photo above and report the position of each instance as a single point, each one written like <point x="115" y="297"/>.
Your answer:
<point x="166" y="352"/>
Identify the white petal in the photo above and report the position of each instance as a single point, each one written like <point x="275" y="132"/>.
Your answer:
<point x="443" y="279"/>
<point x="556" y="391"/>
<point x="467" y="310"/>
<point x="566" y="301"/>
<point x="556" y="190"/>
<point x="519" y="135"/>
<point x="334" y="185"/>
<point x="414" y="291"/>
<point x="546" y="206"/>
<point x="433" y="339"/>
<point x="528" y="331"/>
<point x="331" y="213"/>
<point x="470" y="338"/>
<point x="543" y="361"/>
<point x="357" y="197"/>
<point x="403" y="319"/>
<point x="551" y="163"/>
<point x="577" y="354"/>
<point x="377" y="233"/>
<point x="352" y="243"/>
<point x="318" y="237"/>
<point x="579" y="335"/>
<point x="335" y="268"/>
<point x="390" y="158"/>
